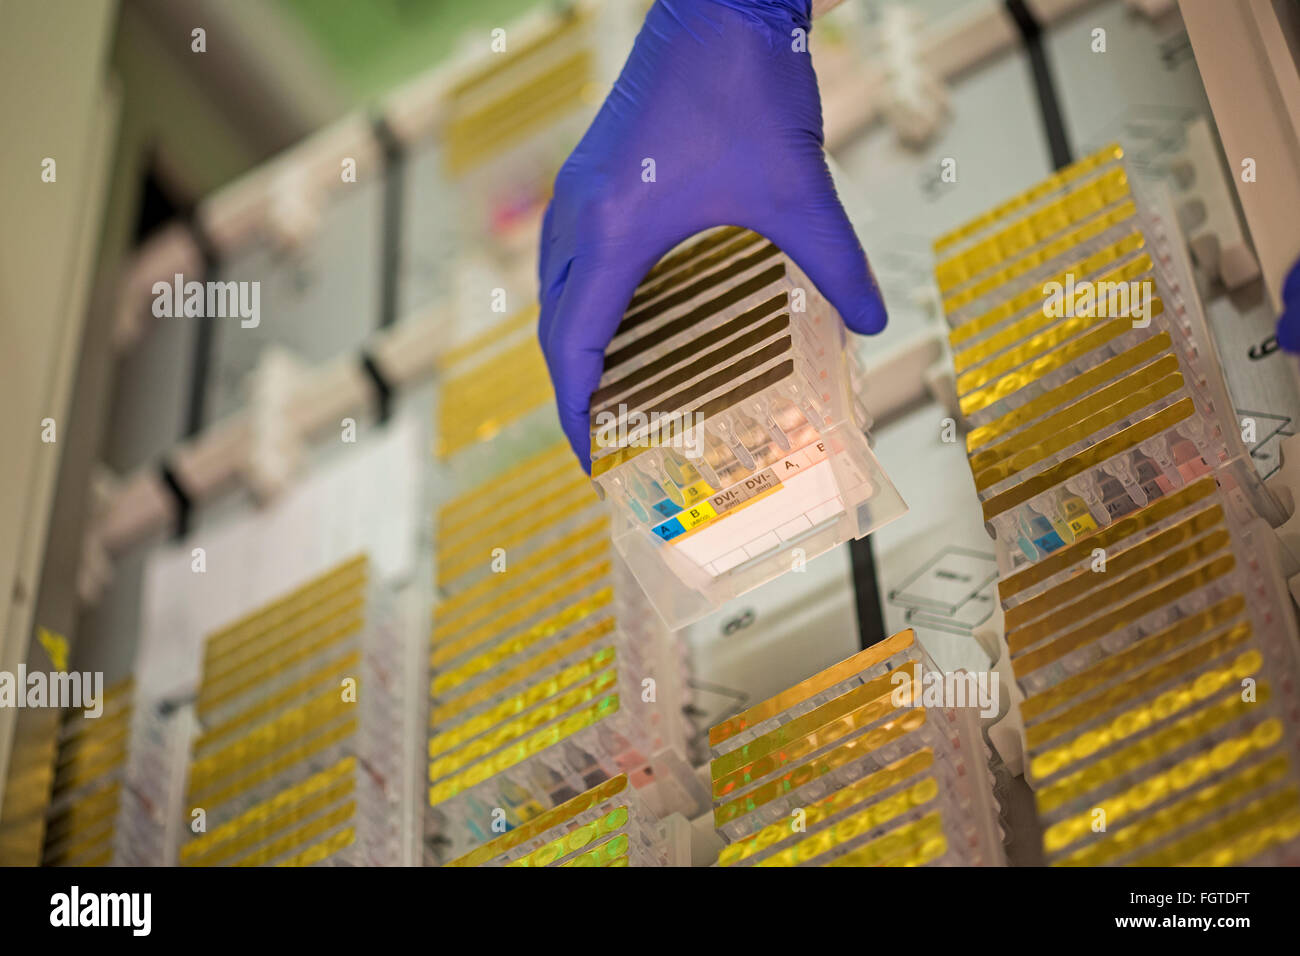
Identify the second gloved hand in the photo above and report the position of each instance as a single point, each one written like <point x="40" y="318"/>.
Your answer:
<point x="1288" y="325"/>
<point x="715" y="120"/>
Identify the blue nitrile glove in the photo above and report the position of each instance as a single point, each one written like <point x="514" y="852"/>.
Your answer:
<point x="721" y="96"/>
<point x="1288" y="326"/>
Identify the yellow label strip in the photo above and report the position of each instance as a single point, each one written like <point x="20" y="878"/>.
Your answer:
<point x="531" y="584"/>
<point x="1117" y="394"/>
<point x="324" y="850"/>
<point x="300" y="835"/>
<point x="1148" y="388"/>
<point x="256" y="818"/>
<point x="854" y="825"/>
<point x="1160" y="745"/>
<point x="812" y="686"/>
<point x="473" y="138"/>
<point x="453" y="356"/>
<point x="213" y="696"/>
<point x="483" y="593"/>
<point x="482" y="498"/>
<point x="499" y="514"/>
<point x="566" y="497"/>
<point x="1064" y="330"/>
<point x="1013" y="382"/>
<point x="264" y="738"/>
<point x="1094" y="595"/>
<point x="491" y="766"/>
<point x="452" y="707"/>
<point x="920" y="841"/>
<point x="279" y="765"/>
<point x="450" y="739"/>
<point x="911" y="719"/>
<point x="819" y="722"/>
<point x="1246" y="835"/>
<point x="548" y="820"/>
<point x="511" y="731"/>
<point x="1033" y="229"/>
<point x="1178" y="815"/>
<point x="1131" y="658"/>
<point x="538" y="632"/>
<point x="1027" y="262"/>
<point x="1182" y="776"/>
<point x="1035" y="301"/>
<point x="1138" y="719"/>
<point x="1062" y="177"/>
<point x="1071" y="390"/>
<point x="346" y="607"/>
<point x="1178" y="666"/>
<point x="827" y="807"/>
<point x="502" y="625"/>
<point x="1089" y="457"/>
<point x="349" y="576"/>
<point x="450" y="570"/>
<point x="1125" y="616"/>
<point x="607" y="854"/>
<point x="1117" y="565"/>
<point x="582" y="837"/>
<point x="332" y="671"/>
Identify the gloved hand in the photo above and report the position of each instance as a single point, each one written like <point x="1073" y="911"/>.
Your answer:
<point x="1288" y="326"/>
<point x="721" y="95"/>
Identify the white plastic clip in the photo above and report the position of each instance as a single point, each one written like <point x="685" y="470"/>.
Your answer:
<point x="276" y="447"/>
<point x="915" y="99"/>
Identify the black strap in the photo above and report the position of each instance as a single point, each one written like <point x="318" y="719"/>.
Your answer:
<point x="1049" y="107"/>
<point x="871" y="615"/>
<point x="184" y="503"/>
<point x="390" y="245"/>
<point x="383" y="387"/>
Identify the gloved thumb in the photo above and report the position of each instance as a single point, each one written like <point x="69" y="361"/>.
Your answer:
<point x="816" y="233"/>
<point x="587" y="314"/>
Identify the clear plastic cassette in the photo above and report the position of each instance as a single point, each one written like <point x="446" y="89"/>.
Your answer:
<point x="859" y="765"/>
<point x="727" y="439"/>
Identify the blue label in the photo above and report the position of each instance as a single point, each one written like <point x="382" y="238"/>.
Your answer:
<point x="669" y="529"/>
<point x="666" y="508"/>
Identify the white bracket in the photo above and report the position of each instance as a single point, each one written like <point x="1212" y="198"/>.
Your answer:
<point x="1207" y="214"/>
<point x="915" y="101"/>
<point x="1007" y="731"/>
<point x="277" y="445"/>
<point x="1285" y="486"/>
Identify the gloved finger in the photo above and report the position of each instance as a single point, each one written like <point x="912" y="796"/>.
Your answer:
<point x="1288" y="330"/>
<point x="1291" y="288"/>
<point x="585" y="317"/>
<point x="1288" y="324"/>
<point x="816" y="233"/>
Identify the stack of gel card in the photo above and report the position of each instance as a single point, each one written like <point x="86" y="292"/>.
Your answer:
<point x="299" y="757"/>
<point x="1085" y="372"/>
<point x="100" y="813"/>
<point x="549" y="675"/>
<point x="852" y="768"/>
<point x="727" y="439"/>
<point x="1146" y="618"/>
<point x="607" y="825"/>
